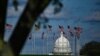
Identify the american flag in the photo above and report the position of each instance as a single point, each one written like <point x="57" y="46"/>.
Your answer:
<point x="70" y="31"/>
<point x="8" y="26"/>
<point x="49" y="27"/>
<point x="78" y="31"/>
<point x="61" y="28"/>
<point x="30" y="36"/>
<point x="37" y="27"/>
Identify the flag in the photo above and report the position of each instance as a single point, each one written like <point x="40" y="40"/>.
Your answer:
<point x="44" y="26"/>
<point x="70" y="31"/>
<point x="61" y="28"/>
<point x="78" y="30"/>
<point x="43" y="35"/>
<point x="49" y="27"/>
<point x="8" y="26"/>
<point x="30" y="36"/>
<point x="37" y="26"/>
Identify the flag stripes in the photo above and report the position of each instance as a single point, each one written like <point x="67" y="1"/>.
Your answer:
<point x="8" y="26"/>
<point x="78" y="31"/>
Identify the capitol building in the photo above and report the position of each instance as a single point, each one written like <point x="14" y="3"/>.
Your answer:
<point x="62" y="46"/>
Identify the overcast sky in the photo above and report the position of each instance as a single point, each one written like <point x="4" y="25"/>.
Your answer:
<point x="83" y="13"/>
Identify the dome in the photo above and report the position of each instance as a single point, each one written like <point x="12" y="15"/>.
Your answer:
<point x="62" y="45"/>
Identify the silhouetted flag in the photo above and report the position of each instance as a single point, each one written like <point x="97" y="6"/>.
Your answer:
<point x="70" y="31"/>
<point x="49" y="27"/>
<point x="37" y="27"/>
<point x="8" y="26"/>
<point x="78" y="30"/>
<point x="43" y="35"/>
<point x="30" y="36"/>
<point x="44" y="26"/>
<point x="61" y="28"/>
<point x="44" y="18"/>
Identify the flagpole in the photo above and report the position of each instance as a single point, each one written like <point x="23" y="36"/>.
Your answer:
<point x="53" y="42"/>
<point x="43" y="46"/>
<point x="46" y="45"/>
<point x="31" y="43"/>
<point x="34" y="43"/>
<point x="75" y="46"/>
<point x="78" y="47"/>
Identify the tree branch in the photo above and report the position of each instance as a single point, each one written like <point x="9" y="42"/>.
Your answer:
<point x="25" y="23"/>
<point x="3" y="7"/>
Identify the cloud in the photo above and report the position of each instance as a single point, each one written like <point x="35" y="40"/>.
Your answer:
<point x="49" y="12"/>
<point x="12" y="13"/>
<point x="20" y="2"/>
<point x="96" y="34"/>
<point x="61" y="15"/>
<point x="94" y="16"/>
<point x="11" y="10"/>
